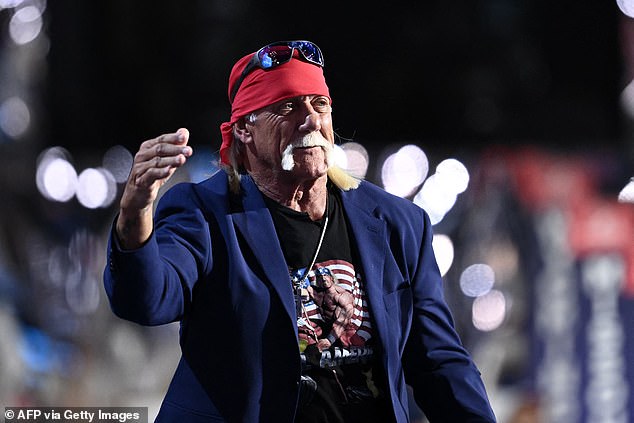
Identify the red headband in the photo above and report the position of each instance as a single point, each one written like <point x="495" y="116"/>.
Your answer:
<point x="263" y="87"/>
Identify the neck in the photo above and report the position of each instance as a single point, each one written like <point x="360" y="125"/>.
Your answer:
<point x="304" y="196"/>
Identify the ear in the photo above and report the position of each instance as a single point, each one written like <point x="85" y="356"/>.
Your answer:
<point x="241" y="131"/>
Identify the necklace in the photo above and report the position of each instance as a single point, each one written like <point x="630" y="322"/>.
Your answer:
<point x="301" y="293"/>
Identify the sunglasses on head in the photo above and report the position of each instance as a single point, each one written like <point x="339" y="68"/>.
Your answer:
<point x="278" y="53"/>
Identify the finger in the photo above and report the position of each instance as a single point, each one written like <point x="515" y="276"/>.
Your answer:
<point x="180" y="137"/>
<point x="158" y="163"/>
<point x="149" y="150"/>
<point x="161" y="157"/>
<point x="183" y="135"/>
<point x="150" y="176"/>
<point x="166" y="161"/>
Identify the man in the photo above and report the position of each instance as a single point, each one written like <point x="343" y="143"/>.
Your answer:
<point x="303" y="293"/>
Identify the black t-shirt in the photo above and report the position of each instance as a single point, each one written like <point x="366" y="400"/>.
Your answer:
<point x="342" y="378"/>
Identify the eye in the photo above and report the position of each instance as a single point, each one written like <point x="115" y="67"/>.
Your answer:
<point x="321" y="104"/>
<point x="286" y="107"/>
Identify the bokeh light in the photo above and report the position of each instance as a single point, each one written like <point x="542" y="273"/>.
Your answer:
<point x="489" y="311"/>
<point x="627" y="193"/>
<point x="627" y="99"/>
<point x="404" y="171"/>
<point x="627" y="7"/>
<point x="454" y="175"/>
<point x="10" y="4"/>
<point x="477" y="280"/>
<point x="444" y="251"/>
<point x="55" y="177"/>
<point x="439" y="193"/>
<point x="435" y="199"/>
<point x="15" y="117"/>
<point x="341" y="159"/>
<point x="118" y="160"/>
<point x="358" y="159"/>
<point x="96" y="188"/>
<point x="25" y="24"/>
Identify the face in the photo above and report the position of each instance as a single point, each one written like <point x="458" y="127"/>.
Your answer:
<point x="293" y="137"/>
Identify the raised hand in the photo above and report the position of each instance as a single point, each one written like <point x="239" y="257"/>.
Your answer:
<point x="154" y="163"/>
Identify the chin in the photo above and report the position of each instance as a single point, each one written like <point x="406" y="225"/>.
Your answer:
<point x="309" y="172"/>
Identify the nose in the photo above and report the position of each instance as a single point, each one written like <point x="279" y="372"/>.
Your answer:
<point x="312" y="121"/>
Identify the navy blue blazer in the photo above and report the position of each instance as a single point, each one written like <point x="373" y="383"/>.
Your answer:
<point x="215" y="264"/>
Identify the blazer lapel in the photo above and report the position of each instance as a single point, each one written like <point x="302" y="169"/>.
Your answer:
<point x="256" y="226"/>
<point x="370" y="238"/>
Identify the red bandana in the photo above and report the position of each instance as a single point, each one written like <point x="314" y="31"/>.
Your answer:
<point x="261" y="88"/>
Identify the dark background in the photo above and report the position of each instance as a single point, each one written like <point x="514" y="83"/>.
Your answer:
<point x="451" y="74"/>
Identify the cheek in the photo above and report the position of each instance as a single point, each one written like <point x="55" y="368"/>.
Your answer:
<point x="327" y="131"/>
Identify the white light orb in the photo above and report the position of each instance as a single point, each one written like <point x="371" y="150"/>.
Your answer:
<point x="489" y="311"/>
<point x="477" y="280"/>
<point x="96" y="188"/>
<point x="627" y="7"/>
<point x="56" y="179"/>
<point x="454" y="174"/>
<point x="444" y="252"/>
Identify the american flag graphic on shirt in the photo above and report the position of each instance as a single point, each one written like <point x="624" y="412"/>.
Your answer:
<point x="332" y="306"/>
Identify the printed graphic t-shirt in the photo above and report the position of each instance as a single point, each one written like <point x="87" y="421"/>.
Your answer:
<point x="342" y="377"/>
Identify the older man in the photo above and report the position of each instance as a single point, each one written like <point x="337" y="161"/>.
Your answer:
<point x="303" y="293"/>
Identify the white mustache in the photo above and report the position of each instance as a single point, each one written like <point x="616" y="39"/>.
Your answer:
<point x="314" y="139"/>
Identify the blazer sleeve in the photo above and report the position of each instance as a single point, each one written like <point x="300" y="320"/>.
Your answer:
<point x="153" y="284"/>
<point x="445" y="381"/>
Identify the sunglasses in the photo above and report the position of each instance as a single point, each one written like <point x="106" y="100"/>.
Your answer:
<point x="278" y="53"/>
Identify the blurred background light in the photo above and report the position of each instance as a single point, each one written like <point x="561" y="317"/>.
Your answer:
<point x="440" y="191"/>
<point x="341" y="159"/>
<point x="357" y="159"/>
<point x="404" y="171"/>
<point x="435" y="199"/>
<point x="55" y="177"/>
<point x="118" y="161"/>
<point x="454" y="175"/>
<point x="58" y="265"/>
<point x="82" y="286"/>
<point x="489" y="311"/>
<point x="477" y="280"/>
<point x="627" y="193"/>
<point x="82" y="295"/>
<point x="444" y="251"/>
<point x="627" y="99"/>
<point x="25" y="24"/>
<point x="96" y="188"/>
<point x="10" y="4"/>
<point x="14" y="117"/>
<point x="627" y="7"/>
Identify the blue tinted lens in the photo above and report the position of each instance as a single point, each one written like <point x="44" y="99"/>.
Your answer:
<point x="271" y="56"/>
<point x="266" y="61"/>
<point x="309" y="50"/>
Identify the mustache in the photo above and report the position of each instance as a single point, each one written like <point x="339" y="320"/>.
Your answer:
<point x="314" y="139"/>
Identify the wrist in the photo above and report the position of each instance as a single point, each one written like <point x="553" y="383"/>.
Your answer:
<point x="133" y="227"/>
